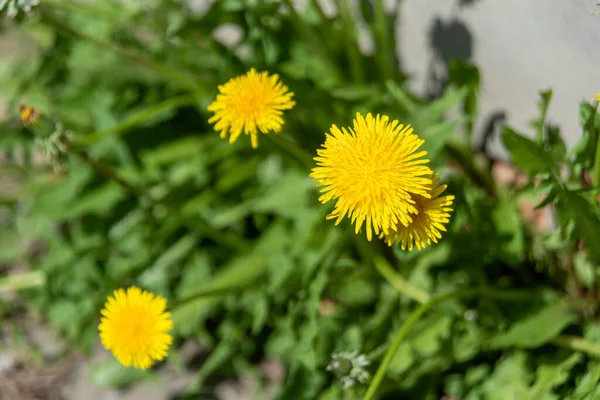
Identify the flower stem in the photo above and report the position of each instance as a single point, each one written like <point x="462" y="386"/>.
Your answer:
<point x="597" y="155"/>
<point x="398" y="281"/>
<point x="300" y="154"/>
<point x="578" y="344"/>
<point x="349" y="24"/>
<point x="218" y="292"/>
<point x="138" y="118"/>
<point x="184" y="78"/>
<point x="383" y="41"/>
<point x="506" y="295"/>
<point x="464" y="159"/>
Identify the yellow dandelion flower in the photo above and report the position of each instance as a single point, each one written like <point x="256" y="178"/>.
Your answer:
<point x="371" y="171"/>
<point x="433" y="213"/>
<point x="135" y="326"/>
<point x="249" y="103"/>
<point x="597" y="98"/>
<point x="29" y="115"/>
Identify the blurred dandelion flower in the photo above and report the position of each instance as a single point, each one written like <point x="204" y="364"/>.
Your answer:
<point x="249" y="103"/>
<point x="433" y="213"/>
<point x="135" y="326"/>
<point x="597" y="98"/>
<point x="372" y="171"/>
<point x="29" y="115"/>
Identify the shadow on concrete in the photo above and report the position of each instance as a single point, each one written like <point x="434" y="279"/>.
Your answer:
<point x="451" y="40"/>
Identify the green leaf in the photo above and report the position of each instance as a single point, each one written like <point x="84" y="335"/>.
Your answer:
<point x="354" y="92"/>
<point x="357" y="293"/>
<point x="526" y="154"/>
<point x="508" y="223"/>
<point x="588" y="385"/>
<point x="550" y="375"/>
<point x="111" y="374"/>
<point x="463" y="74"/>
<point x="402" y="98"/>
<point x="449" y="100"/>
<point x="509" y="379"/>
<point x="540" y="123"/>
<point x="584" y="270"/>
<point x="156" y="276"/>
<point x="587" y="223"/>
<point x="100" y="201"/>
<point x="554" y="143"/>
<point x="535" y="330"/>
<point x="584" y="150"/>
<point x="437" y="135"/>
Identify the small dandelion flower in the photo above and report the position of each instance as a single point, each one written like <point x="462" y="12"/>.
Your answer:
<point x="29" y="115"/>
<point x="135" y="326"/>
<point x="597" y="98"/>
<point x="372" y="171"/>
<point x="249" y="103"/>
<point x="433" y="213"/>
<point x="349" y="367"/>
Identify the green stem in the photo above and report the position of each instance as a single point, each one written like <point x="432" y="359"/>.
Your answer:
<point x="138" y="118"/>
<point x="507" y="295"/>
<point x="218" y="292"/>
<point x="292" y="147"/>
<point x="382" y="40"/>
<point x="184" y="78"/>
<point x="398" y="281"/>
<point x="597" y="156"/>
<point x="350" y="39"/>
<point x="577" y="344"/>
<point x="395" y="279"/>
<point x="465" y="160"/>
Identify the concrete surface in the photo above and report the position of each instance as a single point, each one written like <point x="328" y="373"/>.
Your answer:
<point x="520" y="46"/>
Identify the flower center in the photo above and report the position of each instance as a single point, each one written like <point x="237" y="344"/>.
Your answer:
<point x="252" y="101"/>
<point x="136" y="329"/>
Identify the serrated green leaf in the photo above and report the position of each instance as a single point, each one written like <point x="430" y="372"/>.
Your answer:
<point x="584" y="270"/>
<point x="536" y="329"/>
<point x="554" y="143"/>
<point x="549" y="199"/>
<point x="550" y="375"/>
<point x="98" y="202"/>
<point x="587" y="222"/>
<point x="355" y="92"/>
<point x="449" y="100"/>
<point x="588" y="385"/>
<point x="540" y="122"/>
<point x="526" y="154"/>
<point x="401" y="97"/>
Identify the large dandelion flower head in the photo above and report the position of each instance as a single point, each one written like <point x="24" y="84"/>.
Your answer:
<point x="371" y="171"/>
<point x="433" y="213"/>
<point x="135" y="326"/>
<point x="250" y="103"/>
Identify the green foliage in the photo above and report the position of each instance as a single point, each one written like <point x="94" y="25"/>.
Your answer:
<point x="236" y="239"/>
